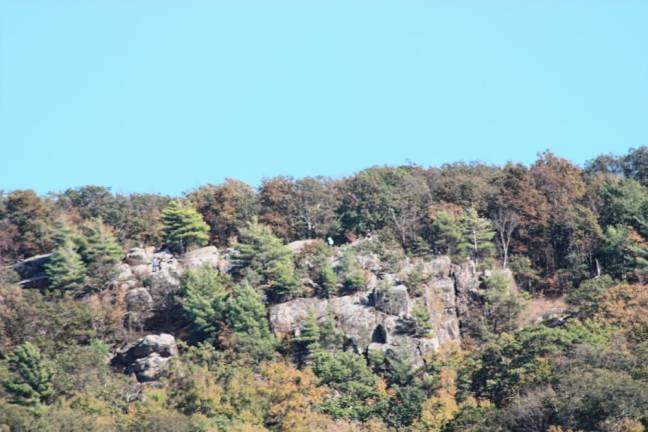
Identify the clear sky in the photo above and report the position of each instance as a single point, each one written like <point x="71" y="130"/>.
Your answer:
<point x="162" y="96"/>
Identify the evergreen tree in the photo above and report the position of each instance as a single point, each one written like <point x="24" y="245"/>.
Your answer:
<point x="31" y="381"/>
<point x="308" y="341"/>
<point x="63" y="234"/>
<point x="245" y="315"/>
<point x="101" y="252"/>
<point x="203" y="297"/>
<point x="446" y="233"/>
<point x="466" y="234"/>
<point x="65" y="269"/>
<point x="265" y="260"/>
<point x="184" y="227"/>
<point x="421" y="321"/>
<point x="624" y="253"/>
<point x="477" y="235"/>
<point x="331" y="337"/>
<point x="327" y="281"/>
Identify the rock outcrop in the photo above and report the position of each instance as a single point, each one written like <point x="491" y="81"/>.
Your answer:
<point x="149" y="276"/>
<point x="32" y="271"/>
<point x="377" y="318"/>
<point x="147" y="358"/>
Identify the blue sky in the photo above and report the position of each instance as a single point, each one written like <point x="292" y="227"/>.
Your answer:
<point x="162" y="96"/>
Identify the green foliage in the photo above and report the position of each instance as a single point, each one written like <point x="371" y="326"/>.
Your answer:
<point x="226" y="208"/>
<point x="477" y="234"/>
<point x="624" y="253"/>
<point x="328" y="281"/>
<point x="526" y="276"/>
<point x="331" y="337"/>
<point x="422" y="325"/>
<point x="528" y="358"/>
<point x="101" y="252"/>
<point x="265" y="261"/>
<point x="307" y="344"/>
<point x="465" y="235"/>
<point x="358" y="396"/>
<point x="503" y="304"/>
<point x="184" y="226"/>
<point x="584" y="300"/>
<point x="382" y="197"/>
<point x="203" y="296"/>
<point x="218" y="310"/>
<point x="353" y="276"/>
<point x="65" y="269"/>
<point x="405" y="406"/>
<point x="31" y="380"/>
<point x="245" y="316"/>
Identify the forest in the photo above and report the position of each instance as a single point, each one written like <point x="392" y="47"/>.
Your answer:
<point x="464" y="297"/>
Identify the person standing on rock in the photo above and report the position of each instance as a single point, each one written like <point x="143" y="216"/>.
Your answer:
<point x="155" y="264"/>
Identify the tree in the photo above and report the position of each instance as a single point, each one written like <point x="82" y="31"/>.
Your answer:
<point x="421" y="318"/>
<point x="584" y="299"/>
<point x="477" y="234"/>
<point x="226" y="208"/>
<point x="299" y="208"/>
<point x="624" y="253"/>
<point x="65" y="269"/>
<point x="463" y="234"/>
<point x="328" y="281"/>
<point x="101" y="253"/>
<point x="245" y="315"/>
<point x="31" y="380"/>
<point x="464" y="184"/>
<point x="383" y="197"/>
<point x="307" y="344"/>
<point x="27" y="218"/>
<point x="505" y="221"/>
<point x="635" y="165"/>
<point x="445" y="232"/>
<point x="203" y="295"/>
<point x="264" y="260"/>
<point x="357" y="393"/>
<point x="184" y="226"/>
<point x="503" y="304"/>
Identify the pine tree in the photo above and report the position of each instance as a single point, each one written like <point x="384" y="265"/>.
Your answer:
<point x="31" y="382"/>
<point x="331" y="337"/>
<point x="446" y="232"/>
<point x="63" y="235"/>
<point x="264" y="259"/>
<point x="184" y="226"/>
<point x="421" y="320"/>
<point x="477" y="235"/>
<point x="204" y="292"/>
<point x="245" y="315"/>
<point x="309" y="338"/>
<point x="65" y="269"/>
<point x="328" y="281"/>
<point x="101" y="252"/>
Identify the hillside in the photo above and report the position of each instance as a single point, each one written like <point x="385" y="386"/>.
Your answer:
<point x="466" y="297"/>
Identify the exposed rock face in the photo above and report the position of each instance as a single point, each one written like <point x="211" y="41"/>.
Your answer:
<point x="148" y="357"/>
<point x="206" y="255"/>
<point x="392" y="300"/>
<point x="377" y="318"/>
<point x="151" y="276"/>
<point x="32" y="271"/>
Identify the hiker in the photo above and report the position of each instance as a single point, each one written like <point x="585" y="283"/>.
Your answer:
<point x="155" y="264"/>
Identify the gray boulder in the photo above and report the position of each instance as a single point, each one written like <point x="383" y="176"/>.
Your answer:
<point x="197" y="257"/>
<point x="150" y="368"/>
<point x="393" y="300"/>
<point x="147" y="357"/>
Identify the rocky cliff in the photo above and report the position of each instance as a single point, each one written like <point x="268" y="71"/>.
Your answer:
<point x="375" y="317"/>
